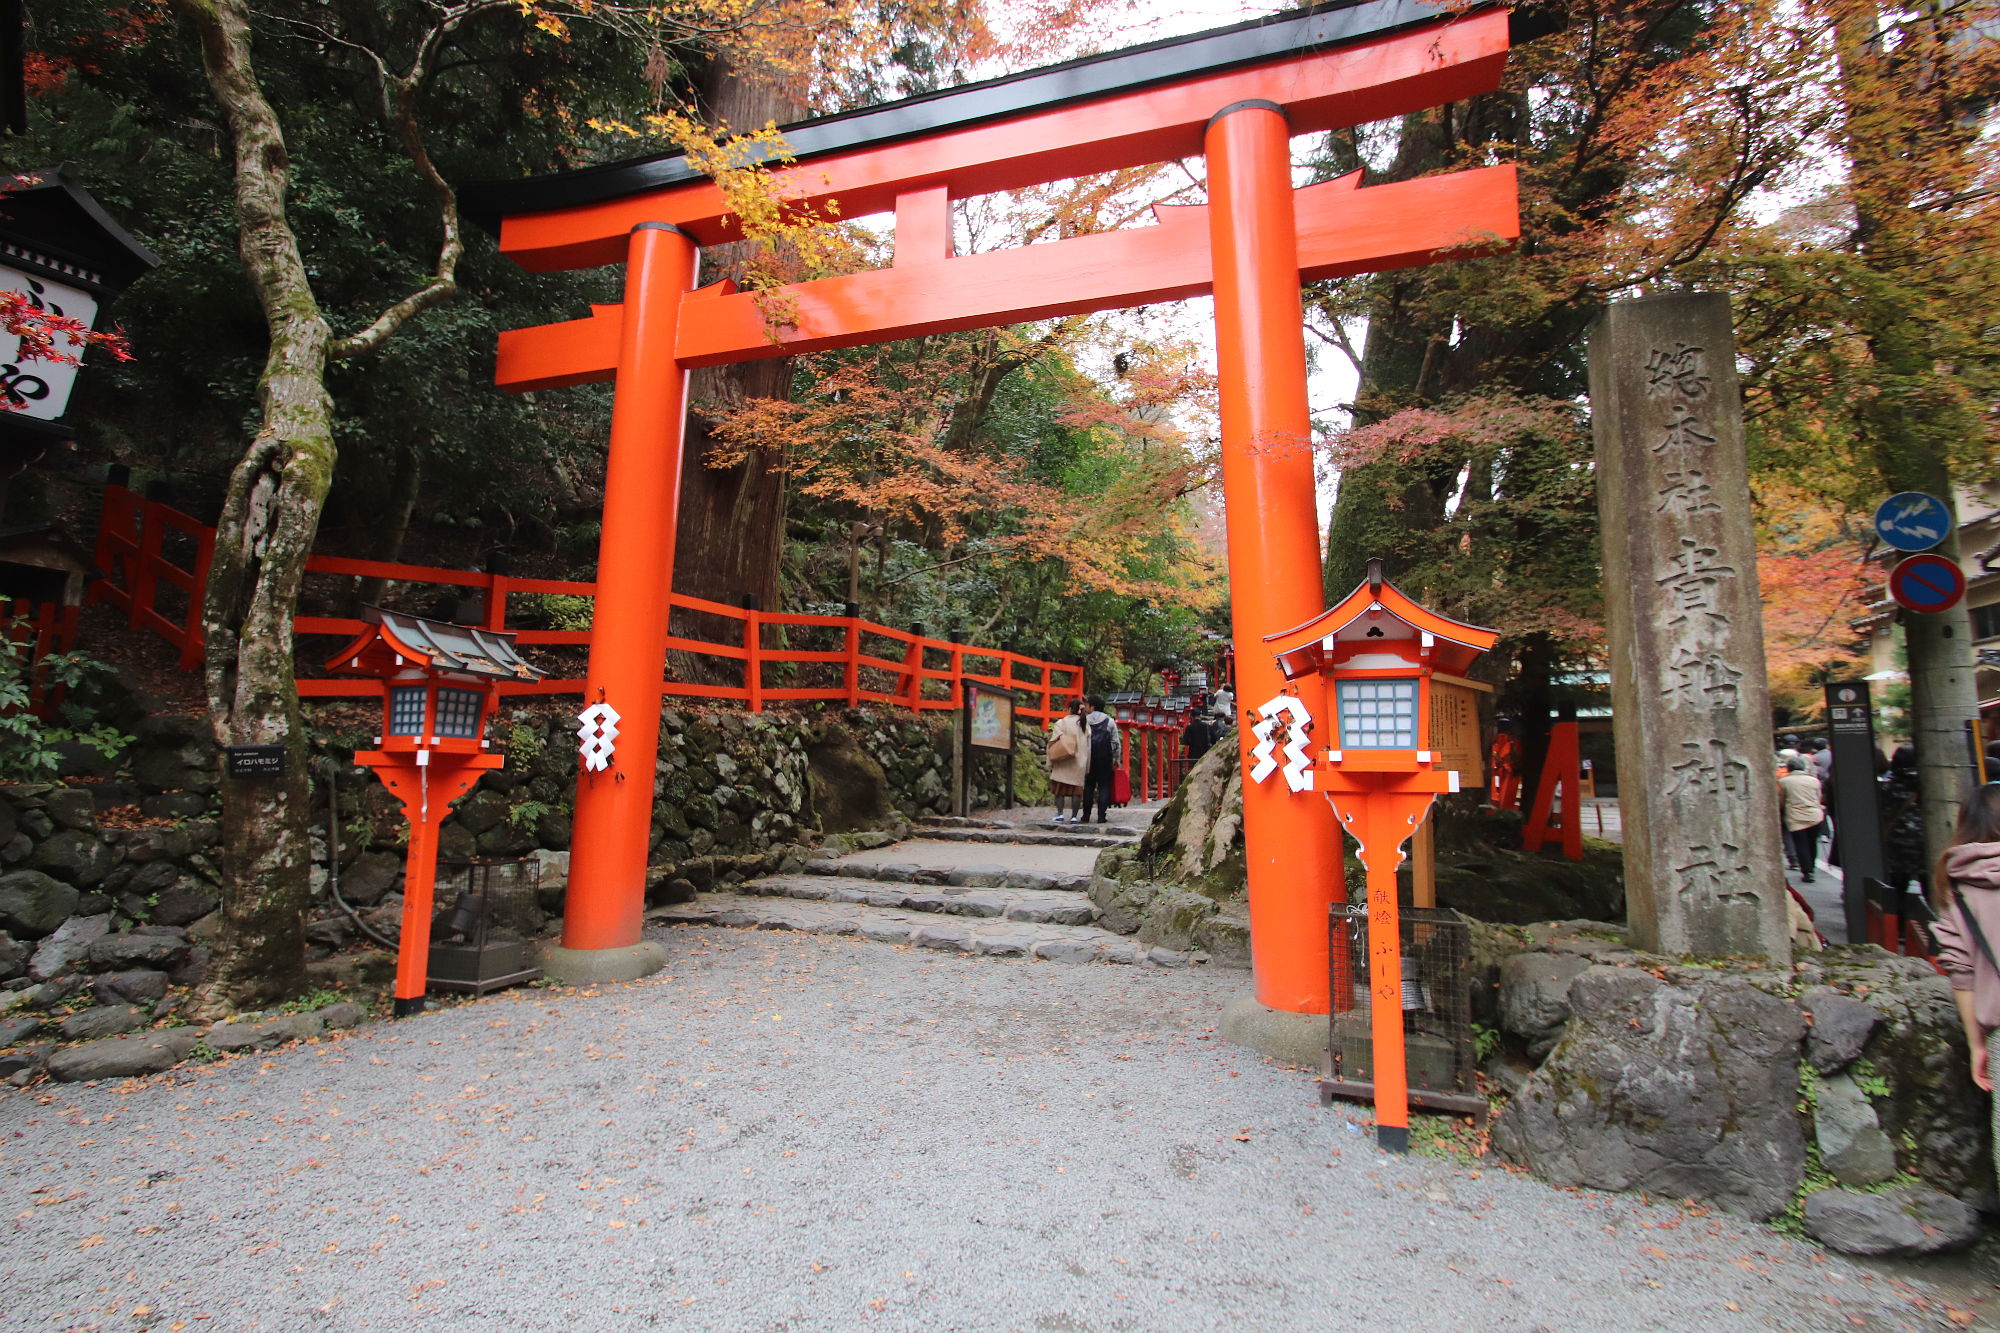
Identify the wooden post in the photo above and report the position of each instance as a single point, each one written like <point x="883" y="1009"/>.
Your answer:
<point x="1423" y="864"/>
<point x="852" y="679"/>
<point x="193" y="634"/>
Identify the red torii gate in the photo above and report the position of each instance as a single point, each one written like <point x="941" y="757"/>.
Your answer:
<point x="1235" y="96"/>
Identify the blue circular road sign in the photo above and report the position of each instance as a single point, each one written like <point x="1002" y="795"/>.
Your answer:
<point x="1927" y="583"/>
<point x="1912" y="521"/>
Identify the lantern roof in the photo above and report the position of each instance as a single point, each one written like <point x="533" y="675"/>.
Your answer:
<point x="52" y="226"/>
<point x="1379" y="610"/>
<point x="394" y="639"/>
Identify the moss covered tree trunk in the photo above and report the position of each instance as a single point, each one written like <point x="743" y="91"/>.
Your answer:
<point x="265" y="534"/>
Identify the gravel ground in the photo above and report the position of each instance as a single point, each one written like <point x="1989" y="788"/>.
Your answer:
<point x="815" y="1133"/>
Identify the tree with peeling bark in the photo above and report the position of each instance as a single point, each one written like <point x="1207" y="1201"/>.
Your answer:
<point x="278" y="490"/>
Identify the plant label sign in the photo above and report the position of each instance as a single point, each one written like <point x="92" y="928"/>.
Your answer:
<point x="255" y="761"/>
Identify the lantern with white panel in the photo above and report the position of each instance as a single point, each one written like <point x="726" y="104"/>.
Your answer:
<point x="441" y="683"/>
<point x="1404" y="730"/>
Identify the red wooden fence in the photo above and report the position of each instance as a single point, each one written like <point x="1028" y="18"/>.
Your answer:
<point x="872" y="663"/>
<point x="45" y="627"/>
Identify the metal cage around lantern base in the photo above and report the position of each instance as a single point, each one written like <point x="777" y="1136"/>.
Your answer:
<point x="1439" y="1052"/>
<point x="482" y="938"/>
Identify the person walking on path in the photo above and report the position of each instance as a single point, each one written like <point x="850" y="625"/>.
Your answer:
<point x="1068" y="760"/>
<point x="1822" y="759"/>
<point x="1804" y="814"/>
<point x="1965" y="899"/>
<point x="1223" y="708"/>
<point x="1107" y="755"/>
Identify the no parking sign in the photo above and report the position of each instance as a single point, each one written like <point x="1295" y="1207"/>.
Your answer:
<point x="1927" y="583"/>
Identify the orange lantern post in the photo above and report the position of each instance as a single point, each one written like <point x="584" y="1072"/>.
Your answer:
<point x="1377" y="656"/>
<point x="440" y="685"/>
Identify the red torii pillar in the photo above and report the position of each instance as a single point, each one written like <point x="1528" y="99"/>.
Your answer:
<point x="1292" y="847"/>
<point x="628" y="640"/>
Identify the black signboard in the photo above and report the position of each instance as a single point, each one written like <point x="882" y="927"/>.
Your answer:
<point x="1857" y="822"/>
<point x="255" y="761"/>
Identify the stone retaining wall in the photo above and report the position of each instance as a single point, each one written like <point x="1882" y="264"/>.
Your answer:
<point x="109" y="889"/>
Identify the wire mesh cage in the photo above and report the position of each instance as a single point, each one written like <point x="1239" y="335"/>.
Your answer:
<point x="482" y="939"/>
<point x="1437" y="1011"/>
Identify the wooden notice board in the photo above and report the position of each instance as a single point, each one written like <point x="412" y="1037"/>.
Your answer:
<point x="1455" y="735"/>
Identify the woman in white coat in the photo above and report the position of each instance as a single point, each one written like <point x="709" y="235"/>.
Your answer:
<point x="1069" y="760"/>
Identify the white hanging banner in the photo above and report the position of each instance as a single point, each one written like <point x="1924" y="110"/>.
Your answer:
<point x="599" y="729"/>
<point x="40" y="388"/>
<point x="1284" y="713"/>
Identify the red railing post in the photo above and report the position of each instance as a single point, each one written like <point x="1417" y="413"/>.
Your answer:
<point x="852" y="676"/>
<point x="145" y="566"/>
<point x="753" y="654"/>
<point x="911" y="686"/>
<point x="494" y="608"/>
<point x="193" y="635"/>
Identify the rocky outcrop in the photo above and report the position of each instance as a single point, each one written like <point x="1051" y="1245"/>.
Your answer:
<point x="1735" y="1084"/>
<point x="1684" y="1084"/>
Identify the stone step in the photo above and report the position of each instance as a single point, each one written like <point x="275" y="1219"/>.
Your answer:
<point x="973" y="877"/>
<point x="1048" y="835"/>
<point x="996" y="938"/>
<point x="1063" y="907"/>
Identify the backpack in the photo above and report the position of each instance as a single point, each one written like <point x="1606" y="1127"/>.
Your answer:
<point x="1100" y="741"/>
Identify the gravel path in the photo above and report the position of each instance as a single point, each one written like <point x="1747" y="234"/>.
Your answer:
<point x="823" y="1133"/>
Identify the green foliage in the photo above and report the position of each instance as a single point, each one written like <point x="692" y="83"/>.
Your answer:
<point x="1447" y="1138"/>
<point x="1485" y="1041"/>
<point x="311" y="1000"/>
<point x="561" y="610"/>
<point x="29" y="746"/>
<point x="524" y="814"/>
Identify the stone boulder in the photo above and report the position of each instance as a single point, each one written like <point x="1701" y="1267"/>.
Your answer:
<point x="1534" y="997"/>
<point x="75" y="857"/>
<point x="157" y="952"/>
<point x="185" y="902"/>
<point x="1852" y="1146"/>
<point x="72" y="808"/>
<point x="372" y="875"/>
<point x="264" y="1033"/>
<point x="1904" y="1220"/>
<point x="172" y="752"/>
<point x="1620" y="1105"/>
<point x="847" y="787"/>
<point x="33" y="904"/>
<point x="1841" y="1027"/>
<point x="68" y="946"/>
<point x="122" y="1057"/>
<point x="13" y="957"/>
<point x="106" y="1020"/>
<point x="138" y="986"/>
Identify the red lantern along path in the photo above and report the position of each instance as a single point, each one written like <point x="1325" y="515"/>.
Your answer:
<point x="1401" y="728"/>
<point x="439" y="685"/>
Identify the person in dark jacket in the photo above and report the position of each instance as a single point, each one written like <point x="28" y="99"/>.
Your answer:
<point x="1902" y="804"/>
<point x="1197" y="736"/>
<point x="1107" y="752"/>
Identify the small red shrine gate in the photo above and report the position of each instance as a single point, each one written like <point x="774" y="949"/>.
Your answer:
<point x="1235" y="96"/>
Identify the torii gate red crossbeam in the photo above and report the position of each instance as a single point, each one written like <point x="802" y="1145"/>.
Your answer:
<point x="1236" y="96"/>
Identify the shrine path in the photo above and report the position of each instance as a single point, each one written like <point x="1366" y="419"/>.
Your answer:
<point x="811" y="1132"/>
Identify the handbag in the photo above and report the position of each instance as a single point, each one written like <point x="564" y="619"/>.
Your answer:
<point x="1062" y="745"/>
<point x="1121" y="787"/>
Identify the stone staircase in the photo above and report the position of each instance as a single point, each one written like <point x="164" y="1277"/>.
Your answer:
<point x="923" y="893"/>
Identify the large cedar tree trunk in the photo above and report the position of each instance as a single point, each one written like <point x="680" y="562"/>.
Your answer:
<point x="732" y="519"/>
